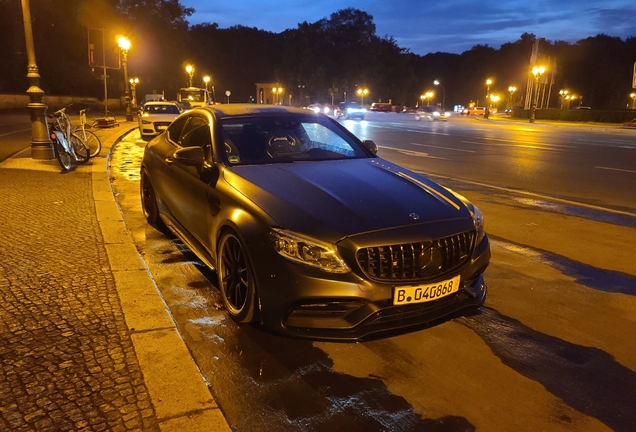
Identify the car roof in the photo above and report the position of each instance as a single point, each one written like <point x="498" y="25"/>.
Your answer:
<point x="235" y="110"/>
<point x="160" y="103"/>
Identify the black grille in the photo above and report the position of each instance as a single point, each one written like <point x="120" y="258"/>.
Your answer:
<point x="401" y="262"/>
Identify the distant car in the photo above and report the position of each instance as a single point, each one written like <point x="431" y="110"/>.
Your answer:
<point x="315" y="107"/>
<point x="318" y="108"/>
<point x="350" y="110"/>
<point x="474" y="111"/>
<point x="155" y="117"/>
<point x="630" y="124"/>
<point x="582" y="108"/>
<point x="431" y="113"/>
<point x="381" y="107"/>
<point x="309" y="231"/>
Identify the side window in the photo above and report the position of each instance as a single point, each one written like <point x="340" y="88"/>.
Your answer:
<point x="326" y="139"/>
<point x="196" y="133"/>
<point x="175" y="129"/>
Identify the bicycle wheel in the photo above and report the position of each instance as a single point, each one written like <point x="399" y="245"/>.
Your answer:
<point x="63" y="157"/>
<point x="92" y="141"/>
<point x="82" y="153"/>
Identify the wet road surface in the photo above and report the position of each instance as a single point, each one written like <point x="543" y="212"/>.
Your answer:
<point x="553" y="349"/>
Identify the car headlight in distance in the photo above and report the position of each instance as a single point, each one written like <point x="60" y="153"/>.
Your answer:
<point x="301" y="249"/>
<point x="478" y="217"/>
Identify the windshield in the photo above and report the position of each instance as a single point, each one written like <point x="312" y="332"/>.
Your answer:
<point x="161" y="109"/>
<point x="192" y="95"/>
<point x="280" y="139"/>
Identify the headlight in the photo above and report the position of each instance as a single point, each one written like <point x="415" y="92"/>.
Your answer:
<point x="145" y="121"/>
<point x="478" y="217"/>
<point x="304" y="250"/>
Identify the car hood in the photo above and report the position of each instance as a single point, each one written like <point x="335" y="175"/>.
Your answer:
<point x="334" y="199"/>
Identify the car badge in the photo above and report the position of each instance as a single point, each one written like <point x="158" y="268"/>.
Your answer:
<point x="414" y="216"/>
<point x="431" y="261"/>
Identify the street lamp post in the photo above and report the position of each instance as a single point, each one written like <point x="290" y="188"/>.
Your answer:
<point x="512" y="90"/>
<point x="563" y="94"/>
<point x="278" y="92"/>
<point x="124" y="46"/>
<point x="633" y="96"/>
<point x="190" y="71"/>
<point x="537" y="71"/>
<point x="422" y="99"/>
<point x="488" y="84"/>
<point x="133" y="84"/>
<point x="41" y="145"/>
<point x="437" y="83"/>
<point x="362" y="93"/>
<point x="206" y="81"/>
<point x="429" y="95"/>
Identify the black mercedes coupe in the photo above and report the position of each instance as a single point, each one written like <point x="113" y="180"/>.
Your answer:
<point x="310" y="232"/>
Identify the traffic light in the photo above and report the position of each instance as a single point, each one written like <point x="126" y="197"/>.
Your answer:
<point x="252" y="100"/>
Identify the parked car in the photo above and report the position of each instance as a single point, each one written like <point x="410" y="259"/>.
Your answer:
<point x="155" y="116"/>
<point x="310" y="232"/>
<point x="350" y="110"/>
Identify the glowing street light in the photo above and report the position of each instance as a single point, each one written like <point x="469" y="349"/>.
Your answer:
<point x="124" y="46"/>
<point x="278" y="92"/>
<point x="133" y="83"/>
<point x="633" y="96"/>
<point x="362" y="93"/>
<point x="190" y="71"/>
<point x="429" y="95"/>
<point x="437" y="83"/>
<point x="537" y="71"/>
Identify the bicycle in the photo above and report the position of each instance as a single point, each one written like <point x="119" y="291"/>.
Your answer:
<point x="69" y="148"/>
<point x="92" y="141"/>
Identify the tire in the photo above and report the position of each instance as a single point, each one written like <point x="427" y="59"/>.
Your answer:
<point x="149" y="202"/>
<point x="81" y="150"/>
<point x="92" y="141"/>
<point x="236" y="280"/>
<point x="63" y="157"/>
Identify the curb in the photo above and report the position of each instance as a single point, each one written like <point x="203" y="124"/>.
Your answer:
<point x="178" y="391"/>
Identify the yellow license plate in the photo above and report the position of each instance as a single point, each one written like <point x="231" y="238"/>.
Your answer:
<point x="425" y="293"/>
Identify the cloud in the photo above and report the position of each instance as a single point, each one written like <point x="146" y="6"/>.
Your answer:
<point x="445" y="25"/>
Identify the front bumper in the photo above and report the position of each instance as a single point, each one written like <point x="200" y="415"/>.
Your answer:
<point x="309" y="303"/>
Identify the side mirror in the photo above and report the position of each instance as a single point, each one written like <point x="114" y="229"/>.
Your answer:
<point x="191" y="156"/>
<point x="371" y="145"/>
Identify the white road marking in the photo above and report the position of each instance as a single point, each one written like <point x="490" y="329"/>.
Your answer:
<point x="445" y="148"/>
<point x="534" y="195"/>
<point x="615" y="169"/>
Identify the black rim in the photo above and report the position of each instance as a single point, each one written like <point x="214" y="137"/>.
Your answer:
<point x="235" y="274"/>
<point x="147" y="194"/>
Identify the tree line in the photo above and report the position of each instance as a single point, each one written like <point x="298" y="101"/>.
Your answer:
<point x="318" y="62"/>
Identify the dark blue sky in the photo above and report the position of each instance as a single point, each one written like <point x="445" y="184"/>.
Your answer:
<point x="425" y="26"/>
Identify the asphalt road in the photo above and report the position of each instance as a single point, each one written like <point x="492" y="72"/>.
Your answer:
<point x="552" y="350"/>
